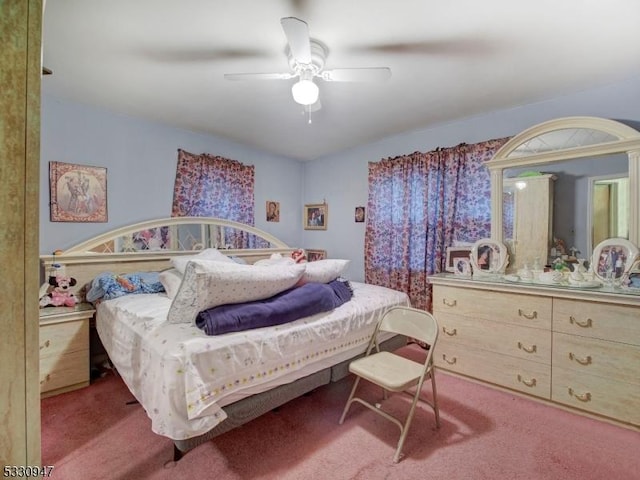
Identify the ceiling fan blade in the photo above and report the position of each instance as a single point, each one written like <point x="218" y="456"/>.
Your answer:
<point x="370" y="74"/>
<point x="258" y="76"/>
<point x="297" y="33"/>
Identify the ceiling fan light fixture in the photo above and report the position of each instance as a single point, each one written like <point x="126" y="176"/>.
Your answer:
<point x="305" y="92"/>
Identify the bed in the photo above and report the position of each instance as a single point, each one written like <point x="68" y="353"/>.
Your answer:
<point x="195" y="386"/>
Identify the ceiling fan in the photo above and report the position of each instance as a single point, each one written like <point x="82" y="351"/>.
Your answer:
<point x="306" y="59"/>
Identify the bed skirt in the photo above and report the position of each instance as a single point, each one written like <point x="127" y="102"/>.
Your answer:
<point x="252" y="407"/>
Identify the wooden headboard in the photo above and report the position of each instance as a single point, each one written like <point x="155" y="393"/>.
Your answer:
<point x="148" y="247"/>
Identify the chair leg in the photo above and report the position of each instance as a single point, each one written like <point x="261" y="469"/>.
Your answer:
<point x="436" y="410"/>
<point x="350" y="400"/>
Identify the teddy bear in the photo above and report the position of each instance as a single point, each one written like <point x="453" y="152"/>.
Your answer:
<point x="59" y="293"/>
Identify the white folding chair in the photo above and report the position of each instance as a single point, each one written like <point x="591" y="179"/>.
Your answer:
<point x="395" y="373"/>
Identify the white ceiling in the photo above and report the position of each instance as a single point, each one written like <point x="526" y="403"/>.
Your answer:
<point x="164" y="60"/>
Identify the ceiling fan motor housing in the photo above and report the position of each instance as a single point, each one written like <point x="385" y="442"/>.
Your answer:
<point x="318" y="56"/>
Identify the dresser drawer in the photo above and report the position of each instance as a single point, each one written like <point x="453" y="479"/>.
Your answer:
<point x="618" y="323"/>
<point x="526" y="310"/>
<point x="617" y="361"/>
<point x="521" y="375"/>
<point x="522" y="342"/>
<point x="60" y="338"/>
<point x="64" y="370"/>
<point x="595" y="394"/>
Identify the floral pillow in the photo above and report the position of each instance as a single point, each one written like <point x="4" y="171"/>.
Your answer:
<point x="180" y="263"/>
<point x="206" y="284"/>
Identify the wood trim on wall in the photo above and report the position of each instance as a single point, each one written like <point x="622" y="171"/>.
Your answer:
<point x="20" y="74"/>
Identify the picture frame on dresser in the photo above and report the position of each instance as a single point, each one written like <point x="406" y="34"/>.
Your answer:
<point x="631" y="280"/>
<point x="613" y="258"/>
<point x="488" y="257"/>
<point x="454" y="254"/>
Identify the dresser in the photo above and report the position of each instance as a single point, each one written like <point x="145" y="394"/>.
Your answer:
<point x="64" y="348"/>
<point x="579" y="348"/>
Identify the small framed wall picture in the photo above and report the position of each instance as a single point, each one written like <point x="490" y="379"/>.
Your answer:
<point x="315" y="216"/>
<point x="273" y="211"/>
<point x="313" y="255"/>
<point x="78" y="193"/>
<point x="359" y="214"/>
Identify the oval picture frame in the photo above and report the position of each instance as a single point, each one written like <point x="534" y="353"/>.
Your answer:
<point x="489" y="257"/>
<point x="615" y="256"/>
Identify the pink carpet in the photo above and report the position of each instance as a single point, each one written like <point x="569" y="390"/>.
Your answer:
<point x="485" y="434"/>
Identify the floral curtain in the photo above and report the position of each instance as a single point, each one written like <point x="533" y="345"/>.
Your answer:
<point x="213" y="186"/>
<point x="418" y="205"/>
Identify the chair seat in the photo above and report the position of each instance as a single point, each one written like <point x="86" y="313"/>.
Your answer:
<point x="388" y="370"/>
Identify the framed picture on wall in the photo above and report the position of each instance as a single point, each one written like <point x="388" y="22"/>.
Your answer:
<point x="78" y="193"/>
<point x="273" y="211"/>
<point x="313" y="255"/>
<point x="359" y="214"/>
<point x="315" y="216"/>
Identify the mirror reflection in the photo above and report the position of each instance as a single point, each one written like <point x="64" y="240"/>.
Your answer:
<point x="569" y="199"/>
<point x="609" y="213"/>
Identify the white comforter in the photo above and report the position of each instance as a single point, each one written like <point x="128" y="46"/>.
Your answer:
<point x="183" y="377"/>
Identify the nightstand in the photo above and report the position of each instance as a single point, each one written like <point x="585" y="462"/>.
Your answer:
<point x="64" y="348"/>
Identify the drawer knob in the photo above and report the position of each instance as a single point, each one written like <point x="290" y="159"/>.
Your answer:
<point x="582" y="361"/>
<point x="587" y="324"/>
<point x="450" y="362"/>
<point x="528" y="316"/>
<point x="451" y="333"/>
<point x="584" y="397"/>
<point x="531" y="349"/>
<point x="45" y="345"/>
<point x="449" y="303"/>
<point x="528" y="383"/>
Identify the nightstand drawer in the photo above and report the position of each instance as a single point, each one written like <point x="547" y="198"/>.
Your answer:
<point x="64" y="348"/>
<point x="64" y="370"/>
<point x="63" y="338"/>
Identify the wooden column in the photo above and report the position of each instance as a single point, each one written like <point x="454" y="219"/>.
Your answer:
<point x="20" y="72"/>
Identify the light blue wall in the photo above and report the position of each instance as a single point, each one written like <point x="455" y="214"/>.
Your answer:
<point x="341" y="179"/>
<point x="141" y="158"/>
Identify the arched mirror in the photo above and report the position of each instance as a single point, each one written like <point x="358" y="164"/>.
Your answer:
<point x="567" y="164"/>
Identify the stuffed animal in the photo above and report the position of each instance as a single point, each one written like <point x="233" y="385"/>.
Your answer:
<point x="299" y="256"/>
<point x="59" y="293"/>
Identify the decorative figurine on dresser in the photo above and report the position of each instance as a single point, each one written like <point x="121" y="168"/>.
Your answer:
<point x="566" y="333"/>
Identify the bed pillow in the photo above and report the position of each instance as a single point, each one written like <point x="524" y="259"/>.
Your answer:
<point x="108" y="285"/>
<point x="275" y="259"/>
<point x="206" y="284"/>
<point x="171" y="280"/>
<point x="180" y="263"/>
<point x="324" y="271"/>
